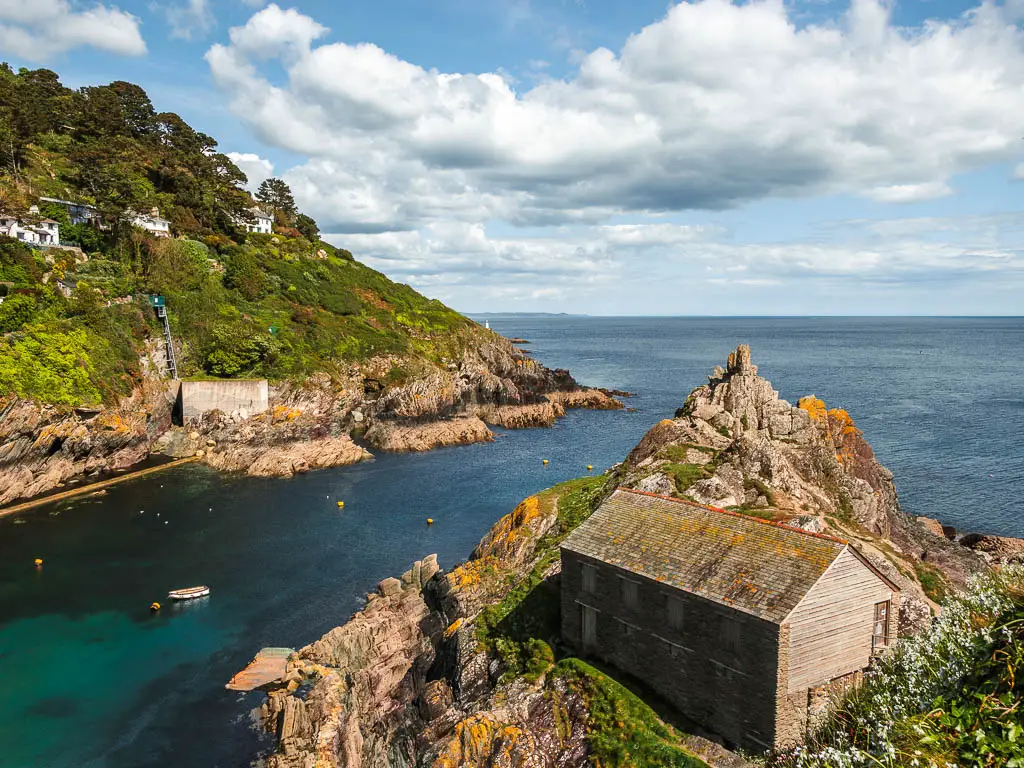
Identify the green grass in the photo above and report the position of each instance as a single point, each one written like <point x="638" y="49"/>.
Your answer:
<point x="531" y="608"/>
<point x="933" y="582"/>
<point x="686" y="475"/>
<point x="622" y="731"/>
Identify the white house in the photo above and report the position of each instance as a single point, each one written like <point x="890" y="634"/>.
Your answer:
<point x="151" y="222"/>
<point x="79" y="213"/>
<point x="43" y="232"/>
<point x="262" y="224"/>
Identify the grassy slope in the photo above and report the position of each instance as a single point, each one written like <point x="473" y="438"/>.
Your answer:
<point x="325" y="311"/>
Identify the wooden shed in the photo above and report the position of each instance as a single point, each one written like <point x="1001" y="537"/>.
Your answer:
<point x="743" y="624"/>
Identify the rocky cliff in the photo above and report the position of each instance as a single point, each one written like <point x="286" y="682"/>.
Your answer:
<point x="457" y="668"/>
<point x="309" y="425"/>
<point x="736" y="444"/>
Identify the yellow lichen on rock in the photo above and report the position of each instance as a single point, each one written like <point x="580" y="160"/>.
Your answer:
<point x="815" y="408"/>
<point x="284" y="413"/>
<point x="481" y="741"/>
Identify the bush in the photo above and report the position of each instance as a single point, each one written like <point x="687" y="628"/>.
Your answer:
<point x="52" y="367"/>
<point x="237" y="349"/>
<point x="16" y="311"/>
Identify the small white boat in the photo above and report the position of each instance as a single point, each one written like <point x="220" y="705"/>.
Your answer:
<point x="188" y="594"/>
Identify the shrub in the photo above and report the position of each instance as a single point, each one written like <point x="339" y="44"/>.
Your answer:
<point x="16" y="311"/>
<point x="52" y="367"/>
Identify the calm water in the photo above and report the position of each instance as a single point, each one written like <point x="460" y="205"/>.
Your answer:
<point x="89" y="678"/>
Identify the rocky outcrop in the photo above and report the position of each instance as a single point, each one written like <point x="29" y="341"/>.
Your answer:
<point x="395" y="436"/>
<point x="995" y="549"/>
<point x="308" y="425"/>
<point x="285" y="459"/>
<point x="411" y="681"/>
<point x="43" y="447"/>
<point x="736" y="444"/>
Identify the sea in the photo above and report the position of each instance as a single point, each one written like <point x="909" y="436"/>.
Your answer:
<point x="89" y="678"/>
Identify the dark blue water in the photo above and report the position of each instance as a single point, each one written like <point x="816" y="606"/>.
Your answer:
<point x="89" y="678"/>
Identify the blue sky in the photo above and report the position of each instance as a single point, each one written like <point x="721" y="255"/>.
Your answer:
<point x="608" y="157"/>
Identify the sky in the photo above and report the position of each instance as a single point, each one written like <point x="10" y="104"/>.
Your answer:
<point x="607" y="157"/>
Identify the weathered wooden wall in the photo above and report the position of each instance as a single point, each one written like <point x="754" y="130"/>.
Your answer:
<point x="830" y="628"/>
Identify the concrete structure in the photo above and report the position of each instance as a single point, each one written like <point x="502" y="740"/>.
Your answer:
<point x="243" y="397"/>
<point x="738" y="622"/>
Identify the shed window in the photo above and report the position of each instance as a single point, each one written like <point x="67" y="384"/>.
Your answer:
<point x="630" y="593"/>
<point x="674" y="609"/>
<point x="730" y="635"/>
<point x="589" y="621"/>
<point x="880" y="633"/>
<point x="589" y="574"/>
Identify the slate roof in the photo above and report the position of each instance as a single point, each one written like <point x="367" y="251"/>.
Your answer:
<point x="752" y="565"/>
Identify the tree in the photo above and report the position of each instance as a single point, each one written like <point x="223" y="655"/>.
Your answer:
<point x="136" y="108"/>
<point x="276" y="194"/>
<point x="307" y="226"/>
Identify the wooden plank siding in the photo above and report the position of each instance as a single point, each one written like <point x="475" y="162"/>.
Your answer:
<point x="831" y="627"/>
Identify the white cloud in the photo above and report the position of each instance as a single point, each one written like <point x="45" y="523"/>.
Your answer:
<point x="910" y="193"/>
<point x="255" y="168"/>
<point x="714" y="105"/>
<point x="41" y="29"/>
<point x="462" y="264"/>
<point x="189" y="20"/>
<point x="1018" y="172"/>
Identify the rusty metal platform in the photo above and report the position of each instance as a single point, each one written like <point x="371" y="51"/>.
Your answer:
<point x="268" y="666"/>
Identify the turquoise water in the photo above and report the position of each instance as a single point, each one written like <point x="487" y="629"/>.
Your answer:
<point x="90" y="678"/>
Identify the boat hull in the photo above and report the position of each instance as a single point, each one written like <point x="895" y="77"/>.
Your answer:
<point x="192" y="593"/>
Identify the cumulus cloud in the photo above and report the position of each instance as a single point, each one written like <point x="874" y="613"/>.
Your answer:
<point x="255" y="168"/>
<point x="41" y="29"/>
<point x="189" y="20"/>
<point x="713" y="105"/>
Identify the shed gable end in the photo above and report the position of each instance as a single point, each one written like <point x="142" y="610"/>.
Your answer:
<point x="831" y="627"/>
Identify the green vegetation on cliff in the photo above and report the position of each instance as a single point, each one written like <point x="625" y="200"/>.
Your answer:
<point x="622" y="731"/>
<point x="281" y="305"/>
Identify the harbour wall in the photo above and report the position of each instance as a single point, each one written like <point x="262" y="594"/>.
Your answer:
<point x="199" y="397"/>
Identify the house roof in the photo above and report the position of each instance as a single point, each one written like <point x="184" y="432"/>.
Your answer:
<point x="751" y="565"/>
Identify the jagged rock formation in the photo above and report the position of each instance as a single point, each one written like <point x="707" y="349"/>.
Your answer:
<point x="308" y="425"/>
<point x="42" y="447"/>
<point x="736" y="444"/>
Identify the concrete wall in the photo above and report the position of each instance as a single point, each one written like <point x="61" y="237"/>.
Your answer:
<point x="730" y="691"/>
<point x="199" y="397"/>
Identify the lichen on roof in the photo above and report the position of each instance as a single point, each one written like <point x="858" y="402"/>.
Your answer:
<point x="754" y="566"/>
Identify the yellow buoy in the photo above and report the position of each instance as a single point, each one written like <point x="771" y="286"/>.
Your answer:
<point x="341" y="504"/>
<point x="590" y="467"/>
<point x="545" y="461"/>
<point x="154" y="607"/>
<point x="38" y="561"/>
<point x="430" y="521"/>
